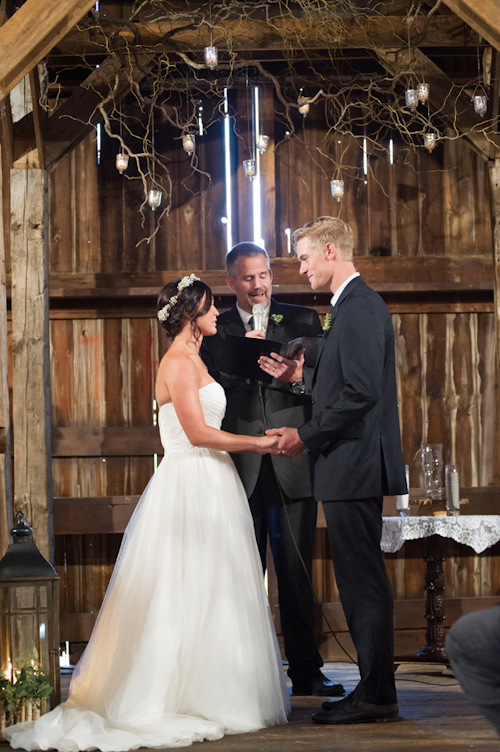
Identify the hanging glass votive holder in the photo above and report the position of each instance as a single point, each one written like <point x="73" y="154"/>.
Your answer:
<point x="423" y="92"/>
<point x="211" y="57"/>
<point x="188" y="141"/>
<point x="154" y="198"/>
<point x="480" y="104"/>
<point x="121" y="161"/>
<point x="430" y="141"/>
<point x="249" y="169"/>
<point x="303" y="105"/>
<point x="411" y="99"/>
<point x="262" y="143"/>
<point x="337" y="188"/>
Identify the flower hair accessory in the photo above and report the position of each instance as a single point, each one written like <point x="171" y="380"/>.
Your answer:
<point x="164" y="312"/>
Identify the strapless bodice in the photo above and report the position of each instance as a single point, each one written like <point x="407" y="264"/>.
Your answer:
<point x="213" y="404"/>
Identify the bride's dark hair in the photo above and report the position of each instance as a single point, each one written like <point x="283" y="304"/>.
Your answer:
<point x="192" y="301"/>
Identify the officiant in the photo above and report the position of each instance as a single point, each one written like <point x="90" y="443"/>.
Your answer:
<point x="279" y="490"/>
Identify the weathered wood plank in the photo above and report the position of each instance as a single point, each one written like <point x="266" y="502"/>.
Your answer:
<point x="482" y="15"/>
<point x="31" y="379"/>
<point x="124" y="441"/>
<point x="6" y="516"/>
<point x="36" y="27"/>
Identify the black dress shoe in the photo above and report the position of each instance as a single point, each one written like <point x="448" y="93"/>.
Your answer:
<point x="319" y="687"/>
<point x="352" y="710"/>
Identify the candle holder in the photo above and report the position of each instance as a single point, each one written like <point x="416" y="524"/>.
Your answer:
<point x="432" y="465"/>
<point x="262" y="143"/>
<point x="188" y="142"/>
<point x="480" y="104"/>
<point x="154" y="198"/>
<point x="337" y="188"/>
<point x="121" y="161"/>
<point x="423" y="92"/>
<point x="411" y="99"/>
<point x="303" y="105"/>
<point x="211" y="57"/>
<point x="403" y="500"/>
<point x="249" y="169"/>
<point x="430" y="141"/>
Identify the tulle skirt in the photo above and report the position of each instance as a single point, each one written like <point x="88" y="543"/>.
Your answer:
<point x="184" y="648"/>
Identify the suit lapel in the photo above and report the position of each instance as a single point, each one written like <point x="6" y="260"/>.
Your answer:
<point x="233" y="325"/>
<point x="276" y="330"/>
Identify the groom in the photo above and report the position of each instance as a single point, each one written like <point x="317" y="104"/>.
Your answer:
<point x="355" y="439"/>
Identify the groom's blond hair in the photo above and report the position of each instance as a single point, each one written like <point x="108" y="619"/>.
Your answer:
<point x="325" y="230"/>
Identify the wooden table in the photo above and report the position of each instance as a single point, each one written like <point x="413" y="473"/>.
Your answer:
<point x="475" y="530"/>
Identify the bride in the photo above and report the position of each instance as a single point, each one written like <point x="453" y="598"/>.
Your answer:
<point x="183" y="649"/>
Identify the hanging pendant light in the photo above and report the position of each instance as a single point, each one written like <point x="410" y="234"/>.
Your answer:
<point x="211" y="57"/>
<point x="337" y="188"/>
<point x="188" y="141"/>
<point x="121" y="161"/>
<point x="303" y="105"/>
<point x="262" y="143"/>
<point x="249" y="169"/>
<point x="411" y="99"/>
<point x="430" y="141"/>
<point x="423" y="92"/>
<point x="480" y="104"/>
<point x="154" y="198"/>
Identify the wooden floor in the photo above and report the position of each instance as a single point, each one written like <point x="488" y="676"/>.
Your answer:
<point x="435" y="716"/>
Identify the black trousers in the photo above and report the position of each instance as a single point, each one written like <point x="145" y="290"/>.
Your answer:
<point x="354" y="530"/>
<point x="291" y="528"/>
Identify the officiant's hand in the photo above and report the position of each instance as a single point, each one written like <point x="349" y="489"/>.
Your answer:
<point x="282" y="368"/>
<point x="290" y="444"/>
<point x="255" y="334"/>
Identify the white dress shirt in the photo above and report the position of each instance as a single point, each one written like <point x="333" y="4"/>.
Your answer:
<point x="341" y="289"/>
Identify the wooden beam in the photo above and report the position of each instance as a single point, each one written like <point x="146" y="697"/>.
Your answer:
<point x="481" y="15"/>
<point x="38" y="115"/>
<point x="495" y="215"/>
<point x="320" y="32"/>
<point x="30" y="347"/>
<point x="31" y="33"/>
<point x="6" y="516"/>
<point x="446" y="100"/>
<point x="125" y="441"/>
<point x="98" y="514"/>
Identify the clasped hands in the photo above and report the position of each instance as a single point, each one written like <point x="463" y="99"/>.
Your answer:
<point x="289" y="442"/>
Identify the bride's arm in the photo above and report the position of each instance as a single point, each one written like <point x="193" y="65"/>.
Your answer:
<point x="183" y="384"/>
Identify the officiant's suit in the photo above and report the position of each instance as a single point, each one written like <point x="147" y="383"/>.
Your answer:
<point x="355" y="437"/>
<point x="253" y="406"/>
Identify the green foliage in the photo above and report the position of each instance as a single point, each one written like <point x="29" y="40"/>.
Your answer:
<point x="30" y="684"/>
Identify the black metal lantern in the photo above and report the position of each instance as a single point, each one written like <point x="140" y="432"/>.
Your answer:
<point x="29" y="608"/>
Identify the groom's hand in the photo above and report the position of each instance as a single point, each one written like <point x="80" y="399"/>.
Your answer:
<point x="290" y="444"/>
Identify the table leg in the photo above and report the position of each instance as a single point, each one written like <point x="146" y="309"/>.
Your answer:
<point x="434" y="603"/>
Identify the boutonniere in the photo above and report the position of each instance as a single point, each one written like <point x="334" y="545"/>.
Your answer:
<point x="277" y="317"/>
<point x="328" y="323"/>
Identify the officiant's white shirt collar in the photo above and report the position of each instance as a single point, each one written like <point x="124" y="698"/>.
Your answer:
<point x="245" y="317"/>
<point x="341" y="289"/>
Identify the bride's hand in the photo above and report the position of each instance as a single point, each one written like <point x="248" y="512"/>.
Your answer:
<point x="268" y="445"/>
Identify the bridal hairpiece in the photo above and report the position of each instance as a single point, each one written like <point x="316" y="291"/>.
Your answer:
<point x="164" y="312"/>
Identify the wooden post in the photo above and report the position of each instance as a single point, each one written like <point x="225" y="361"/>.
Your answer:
<point x="30" y="345"/>
<point x="6" y="517"/>
<point x="494" y="165"/>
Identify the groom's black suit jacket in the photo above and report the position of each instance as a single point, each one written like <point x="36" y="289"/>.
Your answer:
<point x="354" y="430"/>
<point x="282" y="404"/>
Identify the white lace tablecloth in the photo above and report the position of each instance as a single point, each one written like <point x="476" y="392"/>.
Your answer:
<point x="479" y="531"/>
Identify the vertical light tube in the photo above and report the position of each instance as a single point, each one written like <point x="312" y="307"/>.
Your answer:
<point x="365" y="157"/>
<point x="391" y="151"/>
<point x="227" y="164"/>
<point x="98" y="140"/>
<point x="256" y="188"/>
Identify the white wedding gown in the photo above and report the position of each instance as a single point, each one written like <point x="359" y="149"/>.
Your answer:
<point x="184" y="648"/>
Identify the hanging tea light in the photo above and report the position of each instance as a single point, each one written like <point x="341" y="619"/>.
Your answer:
<point x="211" y="57"/>
<point x="480" y="104"/>
<point x="430" y="141"/>
<point x="337" y="188"/>
<point x="423" y="92"/>
<point x="303" y="105"/>
<point x="411" y="99"/>
<point x="262" y="143"/>
<point x="188" y="140"/>
<point x="121" y="161"/>
<point x="154" y="198"/>
<point x="249" y="168"/>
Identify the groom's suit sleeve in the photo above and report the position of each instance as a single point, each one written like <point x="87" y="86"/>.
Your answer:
<point x="349" y="376"/>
